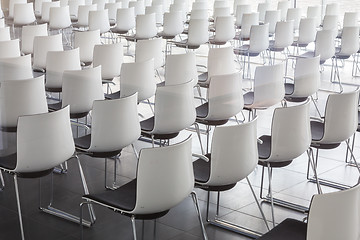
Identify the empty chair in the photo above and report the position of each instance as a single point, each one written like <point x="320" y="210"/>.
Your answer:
<point x="179" y="7"/>
<point x="283" y="6"/>
<point x="220" y="4"/>
<point x="330" y="22"/>
<point x="332" y="9"/>
<point x="56" y="63"/>
<point x="262" y="8"/>
<point x="74" y="8"/>
<point x="173" y="25"/>
<point x="38" y="7"/>
<point x="12" y="4"/>
<point x="159" y="13"/>
<point x="240" y="10"/>
<point x="59" y="18"/>
<point x="86" y="42"/>
<point x="12" y="105"/>
<point x="16" y="68"/>
<point x="100" y="4"/>
<point x="174" y="181"/>
<point x="284" y="38"/>
<point x="199" y="14"/>
<point x="42" y="45"/>
<point x="314" y="12"/>
<point x="124" y="3"/>
<point x="295" y="15"/>
<point x="125" y="20"/>
<point x="139" y="7"/>
<point x="272" y="17"/>
<point x="34" y="159"/>
<point x="199" y="5"/>
<point x="145" y="27"/>
<point x="224" y="30"/>
<point x="180" y="68"/>
<point x="322" y="223"/>
<point x="268" y="88"/>
<point x="112" y="11"/>
<point x="237" y="3"/>
<point x="83" y="15"/>
<point x="45" y="10"/>
<point x="224" y="100"/>
<point x="351" y="19"/>
<point x="10" y="48"/>
<point x="221" y="12"/>
<point x="99" y="19"/>
<point x="307" y="33"/>
<point x="248" y="20"/>
<point x="28" y="33"/>
<point x="5" y="34"/>
<point x="150" y="49"/>
<point x="23" y="14"/>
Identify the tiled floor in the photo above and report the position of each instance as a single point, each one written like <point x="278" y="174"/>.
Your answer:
<point x="237" y="205"/>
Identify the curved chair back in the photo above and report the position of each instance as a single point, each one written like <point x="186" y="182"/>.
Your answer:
<point x="290" y="132"/>
<point x="125" y="19"/>
<point x="159" y="13"/>
<point x="53" y="143"/>
<point x="115" y="124"/>
<point x="272" y="17"/>
<point x="224" y="29"/>
<point x="174" y="108"/>
<point x="283" y="6"/>
<point x="81" y="88"/>
<point x="16" y="68"/>
<point x="172" y="166"/>
<point x="23" y="14"/>
<point x="221" y="4"/>
<point x="74" y="8"/>
<point x="259" y="38"/>
<point x="225" y="96"/>
<point x="112" y="8"/>
<point x="38" y="7"/>
<point x="139" y="7"/>
<point x="349" y="41"/>
<point x="124" y="3"/>
<point x="57" y="62"/>
<point x="146" y="26"/>
<point x="221" y="12"/>
<point x="314" y="12"/>
<point x="150" y="49"/>
<point x="59" y="17"/>
<point x="240" y="10"/>
<point x="86" y="41"/>
<point x="284" y="34"/>
<point x="199" y="14"/>
<point x="110" y="57"/>
<point x="332" y="9"/>
<point x="21" y="97"/>
<point x="325" y="45"/>
<point x="181" y="68"/>
<point x="5" y="34"/>
<point x="138" y="77"/>
<point x="10" y="48"/>
<point x="173" y="23"/>
<point x="341" y="117"/>
<point x="268" y="86"/>
<point x="330" y="22"/>
<point x="44" y="44"/>
<point x="306" y="77"/>
<point x="83" y="14"/>
<point x="199" y="5"/>
<point x="99" y="19"/>
<point x="45" y="10"/>
<point x="351" y="19"/>
<point x="179" y="7"/>
<point x="339" y="223"/>
<point x="12" y="4"/>
<point x="295" y="15"/>
<point x="28" y="34"/>
<point x="262" y="8"/>
<point x="234" y="153"/>
<point x="220" y="62"/>
<point x="307" y="31"/>
<point x="198" y="32"/>
<point x="248" y="20"/>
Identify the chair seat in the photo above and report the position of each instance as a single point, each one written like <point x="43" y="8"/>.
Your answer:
<point x="83" y="143"/>
<point x="287" y="229"/>
<point x="183" y="44"/>
<point x="317" y="132"/>
<point x="53" y="89"/>
<point x="164" y="36"/>
<point x="248" y="98"/>
<point x="289" y="90"/>
<point x="57" y="106"/>
<point x="264" y="151"/>
<point x="213" y="41"/>
<point x="148" y="125"/>
<point x="115" y="95"/>
<point x="202" y="175"/>
<point x="244" y="50"/>
<point x="203" y="77"/>
<point x="202" y="112"/>
<point x="273" y="48"/>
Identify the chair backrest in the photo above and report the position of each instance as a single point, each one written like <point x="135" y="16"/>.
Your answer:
<point x="330" y="22"/>
<point x="314" y="12"/>
<point x="349" y="41"/>
<point x="351" y="19"/>
<point x="268" y="85"/>
<point x="150" y="49"/>
<point x="174" y="181"/>
<point x="59" y="61"/>
<point x="10" y="48"/>
<point x="16" y="68"/>
<point x="307" y="31"/>
<point x="146" y="26"/>
<point x="262" y="8"/>
<point x="225" y="96"/>
<point x="86" y="41"/>
<point x="54" y="141"/>
<point x="59" y="17"/>
<point x="138" y="77"/>
<point x="272" y="17"/>
<point x="45" y="10"/>
<point x="294" y="14"/>
<point x="198" y="32"/>
<point x="234" y="153"/>
<point x="341" y="116"/>
<point x="221" y="12"/>
<point x="110" y="57"/>
<point x="237" y="3"/>
<point x="173" y="23"/>
<point x="174" y="108"/>
<point x="74" y="8"/>
<point x="159" y="13"/>
<point x="200" y="5"/>
<point x="100" y="4"/>
<point x="112" y="8"/>
<point x="125" y="19"/>
<point x="28" y="33"/>
<point x="220" y="4"/>
<point x="124" y="3"/>
<point x="44" y="44"/>
<point x="179" y="7"/>
<point x="12" y="6"/>
<point x="38" y="6"/>
<point x="283" y="6"/>
<point x="290" y="132"/>
<point x="199" y="14"/>
<point x="325" y="44"/>
<point x="220" y="62"/>
<point x="181" y="68"/>
<point x="115" y="124"/>
<point x="339" y="223"/>
<point x="83" y="14"/>
<point x="248" y="20"/>
<point x="139" y="7"/>
<point x="306" y="76"/>
<point x="31" y="101"/>
<point x="240" y="10"/>
<point x="81" y="88"/>
<point x="224" y="29"/>
<point x="99" y="19"/>
<point x="23" y="14"/>
<point x="259" y="38"/>
<point x="332" y="9"/>
<point x="5" y="34"/>
<point x="284" y="34"/>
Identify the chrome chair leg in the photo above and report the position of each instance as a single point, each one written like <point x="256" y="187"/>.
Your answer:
<point x="196" y="202"/>
<point x="2" y="181"/>
<point x="270" y="193"/>
<point x="313" y="165"/>
<point x="18" y="206"/>
<point x="197" y="128"/>
<point x="133" y="226"/>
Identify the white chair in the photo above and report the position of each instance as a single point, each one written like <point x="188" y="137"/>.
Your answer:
<point x="56" y="63"/>
<point x="45" y="10"/>
<point x="5" y="34"/>
<point x="34" y="159"/>
<point x="28" y="33"/>
<point x="284" y="38"/>
<point x="99" y="19"/>
<point x="125" y="20"/>
<point x="59" y="18"/>
<point x="262" y="8"/>
<point x="139" y="7"/>
<point x="307" y="34"/>
<point x="38" y="7"/>
<point x="173" y="26"/>
<point x="220" y="4"/>
<point x="180" y="68"/>
<point x="10" y="48"/>
<point x="42" y="45"/>
<point x="31" y="101"/>
<point x="314" y="12"/>
<point x="332" y="9"/>
<point x="12" y="6"/>
<point x="240" y="10"/>
<point x="272" y="17"/>
<point x="100" y="4"/>
<point x="199" y="5"/>
<point x="74" y="9"/>
<point x="199" y="14"/>
<point x="330" y="22"/>
<point x="174" y="181"/>
<point x="2" y="22"/>
<point x="248" y="20"/>
<point x="23" y="14"/>
<point x="220" y="12"/>
<point x="179" y="7"/>
<point x="283" y="6"/>
<point x="16" y="68"/>
<point x="86" y="42"/>
<point x="83" y="15"/>
<point x="237" y="3"/>
<point x="150" y="49"/>
<point x="295" y="15"/>
<point x="112" y="8"/>
<point x="159" y="13"/>
<point x="124" y="3"/>
<point x="145" y="28"/>
<point x="224" y="31"/>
